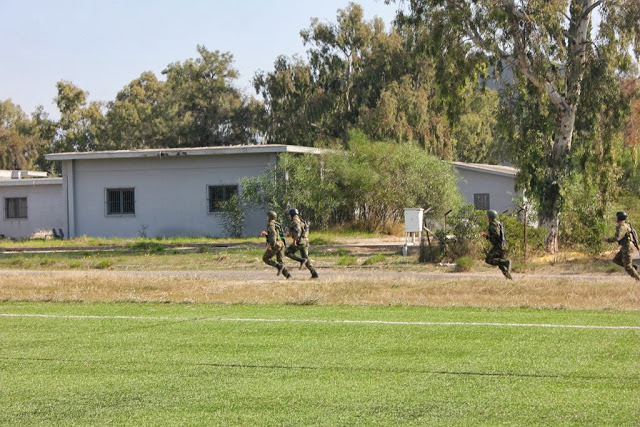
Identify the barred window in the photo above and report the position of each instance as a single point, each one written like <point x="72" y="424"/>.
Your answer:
<point x="120" y="201"/>
<point x="15" y="207"/>
<point x="218" y="194"/>
<point x="481" y="201"/>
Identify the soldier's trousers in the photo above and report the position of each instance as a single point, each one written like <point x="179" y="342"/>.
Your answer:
<point x="623" y="259"/>
<point x="303" y="247"/>
<point x="276" y="252"/>
<point x="496" y="257"/>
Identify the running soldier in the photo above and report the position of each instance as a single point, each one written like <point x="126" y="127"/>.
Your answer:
<point x="275" y="245"/>
<point x="496" y="237"/>
<point x="299" y="232"/>
<point x="628" y="241"/>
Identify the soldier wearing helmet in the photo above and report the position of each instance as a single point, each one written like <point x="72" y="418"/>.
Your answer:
<point x="626" y="237"/>
<point x="275" y="245"/>
<point x="299" y="232"/>
<point x="495" y="235"/>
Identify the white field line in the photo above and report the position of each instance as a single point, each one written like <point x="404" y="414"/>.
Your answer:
<point x="317" y="321"/>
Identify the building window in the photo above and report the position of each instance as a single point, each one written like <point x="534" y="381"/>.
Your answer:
<point x="218" y="194"/>
<point x="121" y="201"/>
<point x="481" y="201"/>
<point x="15" y="207"/>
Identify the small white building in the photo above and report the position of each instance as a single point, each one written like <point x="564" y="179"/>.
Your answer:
<point x="160" y="192"/>
<point x="30" y="202"/>
<point x="488" y="186"/>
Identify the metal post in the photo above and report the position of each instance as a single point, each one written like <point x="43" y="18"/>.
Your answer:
<point x="445" y="219"/>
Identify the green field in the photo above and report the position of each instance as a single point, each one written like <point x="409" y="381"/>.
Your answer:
<point x="162" y="364"/>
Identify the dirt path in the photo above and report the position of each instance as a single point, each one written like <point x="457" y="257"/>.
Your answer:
<point x="356" y="273"/>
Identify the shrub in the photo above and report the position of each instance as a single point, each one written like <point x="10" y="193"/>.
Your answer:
<point x="374" y="259"/>
<point x="347" y="260"/>
<point x="464" y="264"/>
<point x="104" y="264"/>
<point x="232" y="216"/>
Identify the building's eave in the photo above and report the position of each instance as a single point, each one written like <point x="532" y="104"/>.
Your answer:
<point x="491" y="169"/>
<point x="30" y="182"/>
<point x="200" y="151"/>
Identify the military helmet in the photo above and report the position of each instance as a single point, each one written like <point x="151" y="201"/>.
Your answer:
<point x="272" y="215"/>
<point x="492" y="214"/>
<point x="293" y="212"/>
<point x="621" y="216"/>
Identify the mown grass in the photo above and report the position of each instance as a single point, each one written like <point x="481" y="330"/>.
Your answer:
<point x="196" y="365"/>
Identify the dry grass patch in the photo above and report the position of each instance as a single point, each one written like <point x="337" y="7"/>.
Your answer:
<point x="336" y="288"/>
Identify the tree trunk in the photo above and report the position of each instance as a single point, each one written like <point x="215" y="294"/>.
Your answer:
<point x="549" y="217"/>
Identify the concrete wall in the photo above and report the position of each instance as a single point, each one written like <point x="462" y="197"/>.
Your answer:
<point x="500" y="188"/>
<point x="171" y="194"/>
<point x="45" y="206"/>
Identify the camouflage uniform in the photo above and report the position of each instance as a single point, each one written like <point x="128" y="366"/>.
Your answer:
<point x="275" y="247"/>
<point x="496" y="254"/>
<point x="623" y="257"/>
<point x="300" y="243"/>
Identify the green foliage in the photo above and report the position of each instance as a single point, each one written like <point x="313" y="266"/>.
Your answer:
<point x="369" y="185"/>
<point x="475" y="134"/>
<point x="347" y="260"/>
<point x="464" y="264"/>
<point x="374" y="259"/>
<point x="104" y="264"/>
<point x="21" y="142"/>
<point x="514" y="231"/>
<point x="462" y="236"/>
<point x="232" y="216"/>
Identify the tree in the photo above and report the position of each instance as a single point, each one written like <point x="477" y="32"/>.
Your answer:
<point x="549" y="46"/>
<point x="80" y="122"/>
<point x="137" y="117"/>
<point x="203" y="107"/>
<point x="475" y="134"/>
<point x="20" y="142"/>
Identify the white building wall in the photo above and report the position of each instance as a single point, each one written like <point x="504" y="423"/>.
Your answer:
<point x="45" y="206"/>
<point x="171" y="194"/>
<point x="501" y="189"/>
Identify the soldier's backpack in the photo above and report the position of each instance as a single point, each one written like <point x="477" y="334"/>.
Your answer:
<point x="503" y="236"/>
<point x="279" y="231"/>
<point x="305" y="228"/>
<point x="634" y="237"/>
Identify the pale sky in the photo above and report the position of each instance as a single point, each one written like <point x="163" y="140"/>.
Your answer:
<point x="101" y="46"/>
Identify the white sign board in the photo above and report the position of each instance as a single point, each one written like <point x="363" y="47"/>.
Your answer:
<point x="413" y="220"/>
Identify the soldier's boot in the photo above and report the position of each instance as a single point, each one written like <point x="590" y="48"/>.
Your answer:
<point x="286" y="273"/>
<point x="506" y="269"/>
<point x="314" y="274"/>
<point x="280" y="268"/>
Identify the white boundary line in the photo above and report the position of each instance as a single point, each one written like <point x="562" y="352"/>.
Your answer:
<point x="318" y="321"/>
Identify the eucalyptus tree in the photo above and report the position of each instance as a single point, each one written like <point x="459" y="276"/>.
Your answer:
<point x="21" y="144"/>
<point x="551" y="46"/>
<point x="137" y="117"/>
<point x="203" y="106"/>
<point x="80" y="121"/>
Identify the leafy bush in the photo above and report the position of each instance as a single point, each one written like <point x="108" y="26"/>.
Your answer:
<point x="464" y="264"/>
<point x="232" y="216"/>
<point x="370" y="185"/>
<point x="347" y="260"/>
<point x="104" y="264"/>
<point x="374" y="259"/>
<point x="462" y="236"/>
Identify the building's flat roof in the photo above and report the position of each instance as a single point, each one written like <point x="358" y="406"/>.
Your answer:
<point x="200" y="151"/>
<point x="30" y="182"/>
<point x="492" y="169"/>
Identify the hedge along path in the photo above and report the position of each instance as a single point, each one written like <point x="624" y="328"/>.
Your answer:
<point x="335" y="287"/>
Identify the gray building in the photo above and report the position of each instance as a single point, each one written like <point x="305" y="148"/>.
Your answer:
<point x="30" y="202"/>
<point x="488" y="186"/>
<point x="160" y="192"/>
